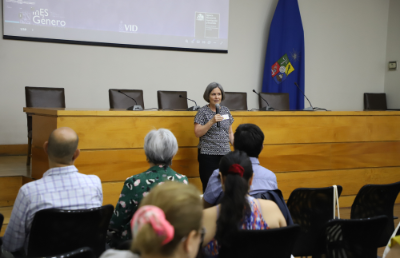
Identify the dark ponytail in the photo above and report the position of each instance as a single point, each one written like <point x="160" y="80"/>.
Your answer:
<point x="233" y="203"/>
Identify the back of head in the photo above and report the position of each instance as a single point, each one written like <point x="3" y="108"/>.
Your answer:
<point x="182" y="207"/>
<point x="250" y="139"/>
<point x="160" y="146"/>
<point x="62" y="145"/>
<point x="236" y="170"/>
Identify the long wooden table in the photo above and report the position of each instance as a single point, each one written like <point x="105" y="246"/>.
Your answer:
<point x="304" y="149"/>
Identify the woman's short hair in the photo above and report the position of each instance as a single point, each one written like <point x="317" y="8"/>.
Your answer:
<point x="160" y="146"/>
<point x="210" y="88"/>
<point x="183" y="209"/>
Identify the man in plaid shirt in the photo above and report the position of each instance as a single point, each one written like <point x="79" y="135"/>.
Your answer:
<point x="62" y="186"/>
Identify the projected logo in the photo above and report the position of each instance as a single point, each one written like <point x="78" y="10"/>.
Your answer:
<point x="200" y="17"/>
<point x="43" y="17"/>
<point x="281" y="69"/>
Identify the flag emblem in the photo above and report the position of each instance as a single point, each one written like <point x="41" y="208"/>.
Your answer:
<point x="281" y="69"/>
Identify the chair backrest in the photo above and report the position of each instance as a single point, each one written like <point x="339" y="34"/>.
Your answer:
<point x="279" y="101"/>
<point x="375" y="101"/>
<point x="311" y="208"/>
<point x="355" y="238"/>
<point x="84" y="252"/>
<point x="56" y="231"/>
<point x="120" y="101"/>
<point x="43" y="97"/>
<point x="1" y="220"/>
<point x="235" y="101"/>
<point x="277" y="243"/>
<point x="375" y="200"/>
<point x="170" y="100"/>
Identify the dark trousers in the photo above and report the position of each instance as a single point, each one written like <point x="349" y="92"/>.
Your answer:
<point x="207" y="164"/>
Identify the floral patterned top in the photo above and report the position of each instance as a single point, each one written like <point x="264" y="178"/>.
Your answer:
<point x="135" y="188"/>
<point x="254" y="221"/>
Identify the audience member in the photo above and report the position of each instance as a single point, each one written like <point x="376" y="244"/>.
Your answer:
<point x="237" y="210"/>
<point x="62" y="186"/>
<point x="167" y="224"/>
<point x="250" y="139"/>
<point x="160" y="146"/>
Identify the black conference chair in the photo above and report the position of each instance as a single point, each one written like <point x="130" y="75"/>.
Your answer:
<point x="355" y="238"/>
<point x="170" y="100"/>
<point x="235" y="101"/>
<point x="376" y="200"/>
<point x="375" y="101"/>
<point x="1" y="225"/>
<point x="120" y="101"/>
<point x="56" y="231"/>
<point x="277" y="243"/>
<point x="279" y="101"/>
<point x="311" y="208"/>
<point x="41" y="97"/>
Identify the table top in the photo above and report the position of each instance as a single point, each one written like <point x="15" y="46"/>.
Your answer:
<point x="169" y="113"/>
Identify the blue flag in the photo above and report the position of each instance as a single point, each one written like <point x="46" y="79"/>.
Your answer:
<point x="284" y="62"/>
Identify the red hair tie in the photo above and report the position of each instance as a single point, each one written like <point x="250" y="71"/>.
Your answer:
<point x="236" y="169"/>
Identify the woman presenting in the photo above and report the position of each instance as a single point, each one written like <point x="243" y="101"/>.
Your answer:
<point x="214" y="140"/>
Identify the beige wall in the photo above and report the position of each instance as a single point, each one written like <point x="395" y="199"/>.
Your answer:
<point x="345" y="56"/>
<point x="392" y="78"/>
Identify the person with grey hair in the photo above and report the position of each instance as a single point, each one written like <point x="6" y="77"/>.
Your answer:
<point x="214" y="130"/>
<point x="160" y="147"/>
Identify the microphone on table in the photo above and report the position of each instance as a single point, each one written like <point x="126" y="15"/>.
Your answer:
<point x="310" y="108"/>
<point x="217" y="111"/>
<point x="135" y="107"/>
<point x="194" y="108"/>
<point x="268" y="107"/>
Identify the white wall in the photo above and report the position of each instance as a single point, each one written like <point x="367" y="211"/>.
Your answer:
<point x="345" y="43"/>
<point x="392" y="78"/>
<point x="345" y="56"/>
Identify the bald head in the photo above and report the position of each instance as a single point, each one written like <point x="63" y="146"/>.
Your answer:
<point x="62" y="145"/>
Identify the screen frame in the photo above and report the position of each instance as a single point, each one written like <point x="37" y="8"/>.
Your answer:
<point x="104" y="44"/>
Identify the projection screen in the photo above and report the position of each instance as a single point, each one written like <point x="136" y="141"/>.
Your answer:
<point x="196" y="25"/>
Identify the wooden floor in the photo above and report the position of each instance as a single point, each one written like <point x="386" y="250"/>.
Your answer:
<point x="14" y="166"/>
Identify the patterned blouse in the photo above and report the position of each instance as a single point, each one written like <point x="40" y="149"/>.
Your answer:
<point x="253" y="222"/>
<point x="216" y="140"/>
<point x="135" y="188"/>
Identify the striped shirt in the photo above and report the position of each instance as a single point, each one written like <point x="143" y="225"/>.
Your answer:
<point x="60" y="187"/>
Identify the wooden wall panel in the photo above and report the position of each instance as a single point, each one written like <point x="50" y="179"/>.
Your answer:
<point x="310" y="149"/>
<point x="40" y="162"/>
<point x="111" y="192"/>
<point x="14" y="150"/>
<point x="42" y="126"/>
<point x="197" y="182"/>
<point x="371" y="154"/>
<point x="282" y="128"/>
<point x="9" y="190"/>
<point x="296" y="157"/>
<point x="117" y="165"/>
<point x="351" y="180"/>
<point x="306" y="157"/>
<point x="347" y="201"/>
<point x="127" y="132"/>
<point x="291" y="129"/>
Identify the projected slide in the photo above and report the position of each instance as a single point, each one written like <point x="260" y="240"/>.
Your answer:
<point x="190" y="24"/>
